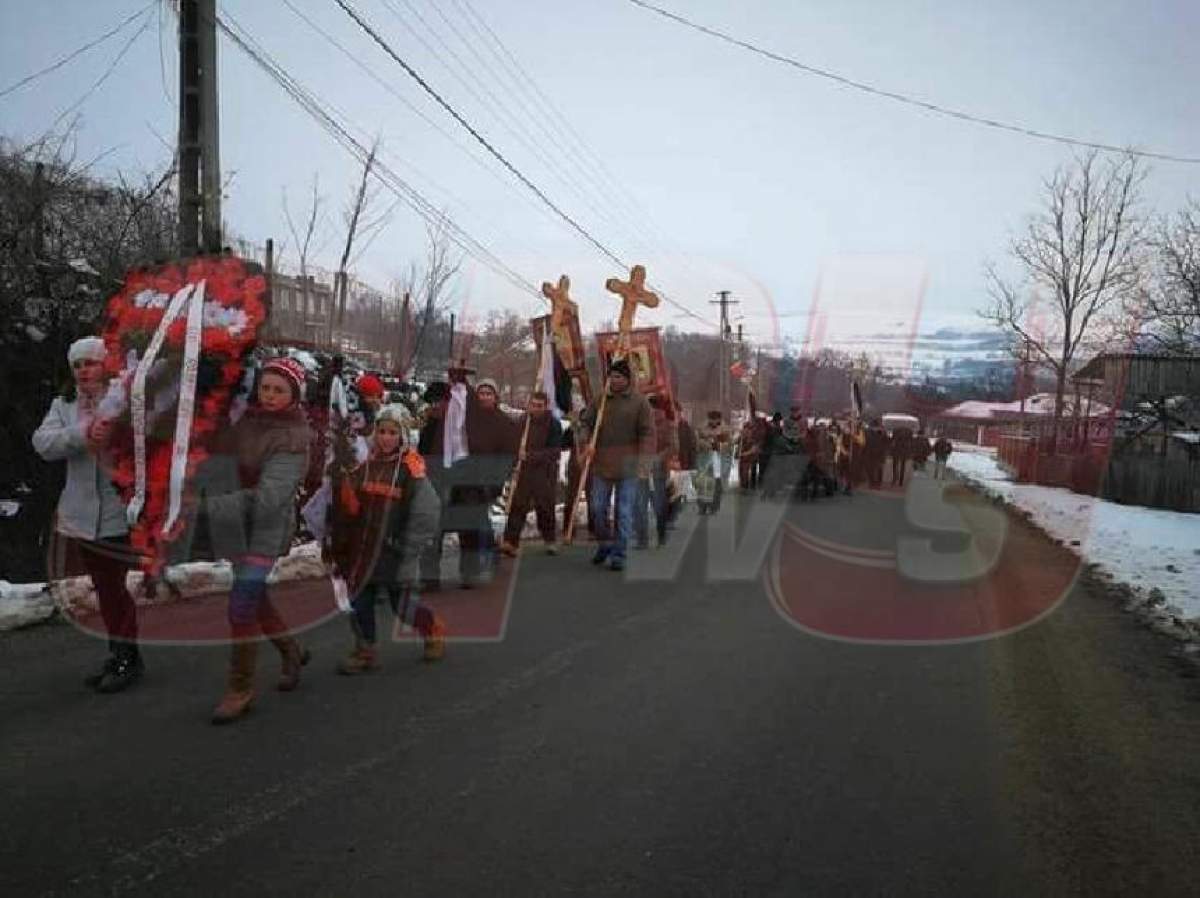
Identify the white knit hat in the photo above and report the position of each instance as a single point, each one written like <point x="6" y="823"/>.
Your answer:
<point x="396" y="414"/>
<point x="489" y="383"/>
<point x="87" y="348"/>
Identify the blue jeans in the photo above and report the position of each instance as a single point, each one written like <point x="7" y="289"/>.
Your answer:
<point x="248" y="594"/>
<point x="626" y="491"/>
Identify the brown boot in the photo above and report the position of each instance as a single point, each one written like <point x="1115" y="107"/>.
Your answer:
<point x="240" y="691"/>
<point x="294" y="657"/>
<point x="435" y="641"/>
<point x="361" y="660"/>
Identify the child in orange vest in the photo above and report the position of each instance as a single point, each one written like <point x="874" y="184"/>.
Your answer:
<point x="386" y="511"/>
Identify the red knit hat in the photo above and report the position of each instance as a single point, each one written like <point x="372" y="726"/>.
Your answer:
<point x="291" y="371"/>
<point x="369" y="385"/>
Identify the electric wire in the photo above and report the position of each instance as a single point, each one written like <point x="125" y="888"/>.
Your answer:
<point x="547" y="116"/>
<point x="482" y="163"/>
<point x="112" y="67"/>
<point x="517" y="173"/>
<point x="492" y="104"/>
<point x="95" y="42"/>
<point x="556" y="163"/>
<point x="381" y="171"/>
<point x="908" y="100"/>
<point x="649" y="235"/>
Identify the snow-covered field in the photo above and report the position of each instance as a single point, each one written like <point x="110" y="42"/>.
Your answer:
<point x="1143" y="548"/>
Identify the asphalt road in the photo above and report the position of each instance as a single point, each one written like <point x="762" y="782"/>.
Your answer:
<point x="668" y="731"/>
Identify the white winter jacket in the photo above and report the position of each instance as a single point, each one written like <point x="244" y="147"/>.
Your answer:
<point x="89" y="507"/>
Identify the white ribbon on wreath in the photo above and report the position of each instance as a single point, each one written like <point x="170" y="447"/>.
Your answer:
<point x="191" y="296"/>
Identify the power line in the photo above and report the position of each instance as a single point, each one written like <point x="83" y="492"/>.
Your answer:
<point x="366" y="27"/>
<point x="112" y="67"/>
<point x="382" y="172"/>
<point x="487" y="100"/>
<point x="491" y="170"/>
<point x="555" y="156"/>
<point x="589" y="162"/>
<point x="95" y="42"/>
<point x="904" y="98"/>
<point x="542" y="118"/>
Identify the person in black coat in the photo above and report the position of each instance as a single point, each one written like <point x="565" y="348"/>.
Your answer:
<point x="901" y="449"/>
<point x="876" y="452"/>
<point x="537" y="478"/>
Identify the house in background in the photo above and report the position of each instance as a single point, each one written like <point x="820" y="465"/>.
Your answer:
<point x="1129" y="431"/>
<point x="985" y="423"/>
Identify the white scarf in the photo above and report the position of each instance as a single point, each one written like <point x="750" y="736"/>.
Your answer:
<point x="454" y="433"/>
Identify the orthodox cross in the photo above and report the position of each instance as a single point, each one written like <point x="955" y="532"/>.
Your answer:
<point x="633" y="293"/>
<point x="562" y="309"/>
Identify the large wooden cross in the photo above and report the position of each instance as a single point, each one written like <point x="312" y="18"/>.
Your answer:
<point x="562" y="309"/>
<point x="633" y="293"/>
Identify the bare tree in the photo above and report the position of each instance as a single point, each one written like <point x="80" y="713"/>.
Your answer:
<point x="1173" y="299"/>
<point x="1083" y="253"/>
<point x="430" y="286"/>
<point x="67" y="239"/>
<point x="359" y="223"/>
<point x="313" y="225"/>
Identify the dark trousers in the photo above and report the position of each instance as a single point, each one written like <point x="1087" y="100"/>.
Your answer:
<point x="899" y="463"/>
<point x="107" y="562"/>
<point x="652" y="494"/>
<point x="764" y="463"/>
<point x="875" y="471"/>
<point x="750" y="471"/>
<point x="465" y="511"/>
<point x="534" y="492"/>
<point x="405" y="605"/>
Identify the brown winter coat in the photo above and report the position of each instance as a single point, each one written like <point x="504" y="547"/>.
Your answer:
<point x="626" y="443"/>
<point x="248" y="487"/>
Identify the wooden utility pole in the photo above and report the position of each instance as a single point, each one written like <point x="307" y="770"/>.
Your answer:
<point x="199" y="131"/>
<point x="724" y="302"/>
<point x="401" y="361"/>
<point x="272" y="313"/>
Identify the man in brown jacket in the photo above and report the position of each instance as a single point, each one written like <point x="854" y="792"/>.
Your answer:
<point x="537" y="478"/>
<point x="624" y="451"/>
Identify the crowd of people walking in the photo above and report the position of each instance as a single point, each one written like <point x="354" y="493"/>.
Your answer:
<point x="381" y="488"/>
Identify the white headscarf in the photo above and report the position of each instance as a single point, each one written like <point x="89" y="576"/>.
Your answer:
<point x="91" y="348"/>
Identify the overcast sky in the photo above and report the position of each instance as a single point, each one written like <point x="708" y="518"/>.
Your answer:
<point x="718" y="169"/>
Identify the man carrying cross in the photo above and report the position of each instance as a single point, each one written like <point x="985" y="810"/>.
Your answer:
<point x="621" y="454"/>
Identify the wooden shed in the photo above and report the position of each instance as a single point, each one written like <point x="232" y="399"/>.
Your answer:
<point x="1129" y="377"/>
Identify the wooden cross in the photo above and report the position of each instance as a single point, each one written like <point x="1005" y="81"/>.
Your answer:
<point x="562" y="308"/>
<point x="633" y="293"/>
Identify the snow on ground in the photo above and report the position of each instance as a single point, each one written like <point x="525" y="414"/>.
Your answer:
<point x="22" y="604"/>
<point x="29" y="603"/>
<point x="1143" y="548"/>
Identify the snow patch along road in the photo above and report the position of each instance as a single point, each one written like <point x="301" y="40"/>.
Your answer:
<point x="1143" y="548"/>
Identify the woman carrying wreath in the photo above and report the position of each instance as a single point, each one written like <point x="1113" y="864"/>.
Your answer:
<point x="269" y="449"/>
<point x="90" y="513"/>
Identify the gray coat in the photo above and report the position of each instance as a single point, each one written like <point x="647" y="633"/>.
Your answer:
<point x="258" y="520"/>
<point x="246" y="491"/>
<point x="89" y="507"/>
